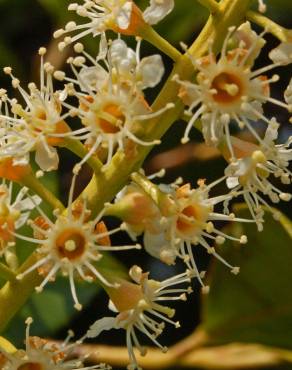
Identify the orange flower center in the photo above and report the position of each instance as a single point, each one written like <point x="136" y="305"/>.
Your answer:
<point x="71" y="244"/>
<point x="114" y="114"/>
<point x="186" y="224"/>
<point x="228" y="88"/>
<point x="30" y="366"/>
<point x="108" y="119"/>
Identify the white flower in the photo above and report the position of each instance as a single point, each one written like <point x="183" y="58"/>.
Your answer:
<point x="250" y="174"/>
<point x="228" y="90"/>
<point x="14" y="212"/>
<point x="139" y="307"/>
<point x="178" y="220"/>
<point x="122" y="16"/>
<point x="111" y="101"/>
<point x="282" y="54"/>
<point x="191" y="223"/>
<point x="72" y="244"/>
<point x="37" y="126"/>
<point x="40" y="354"/>
<point x="157" y="10"/>
<point x="102" y="15"/>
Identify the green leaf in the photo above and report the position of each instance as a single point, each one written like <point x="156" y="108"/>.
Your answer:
<point x="51" y="310"/>
<point x="256" y="305"/>
<point x="57" y="9"/>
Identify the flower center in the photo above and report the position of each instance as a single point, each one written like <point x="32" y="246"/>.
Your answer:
<point x="71" y="244"/>
<point x="111" y="118"/>
<point x="30" y="366"/>
<point x="228" y="88"/>
<point x="186" y="221"/>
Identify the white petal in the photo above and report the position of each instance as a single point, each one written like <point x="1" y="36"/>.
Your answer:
<point x="93" y="77"/>
<point x="21" y="220"/>
<point x="271" y="133"/>
<point x="106" y="323"/>
<point x="282" y="53"/>
<point x="103" y="47"/>
<point x="232" y="182"/>
<point x="251" y="40"/>
<point x="47" y="161"/>
<point x="157" y="10"/>
<point x="112" y="306"/>
<point x="157" y="246"/>
<point x="122" y="56"/>
<point x="28" y="203"/>
<point x="150" y="71"/>
<point x="124" y="16"/>
<point x="118" y="50"/>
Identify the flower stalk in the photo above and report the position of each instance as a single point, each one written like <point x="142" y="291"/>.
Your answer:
<point x="149" y="34"/>
<point x="76" y="147"/>
<point x="14" y="293"/>
<point x="6" y="273"/>
<point x="36" y="186"/>
<point x="283" y="34"/>
<point x="160" y="198"/>
<point x="211" y="5"/>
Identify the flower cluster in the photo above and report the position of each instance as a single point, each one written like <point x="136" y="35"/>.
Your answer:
<point x="42" y="354"/>
<point x="139" y="307"/>
<point x="37" y="125"/>
<point x="229" y="92"/>
<point x="122" y="16"/>
<point x="183" y="218"/>
<point x="106" y="93"/>
<point x="250" y="174"/>
<point x="73" y="243"/>
<point x="110" y="96"/>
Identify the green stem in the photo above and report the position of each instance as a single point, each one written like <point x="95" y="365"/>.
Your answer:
<point x="211" y="5"/>
<point x="274" y="28"/>
<point x="150" y="35"/>
<point x="80" y="150"/>
<point x="34" y="184"/>
<point x="7" y="346"/>
<point x="160" y="198"/>
<point x="15" y="293"/>
<point x="6" y="273"/>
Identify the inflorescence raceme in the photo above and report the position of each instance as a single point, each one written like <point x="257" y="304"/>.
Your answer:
<point x="106" y="92"/>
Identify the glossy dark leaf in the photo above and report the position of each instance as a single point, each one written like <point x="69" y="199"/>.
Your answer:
<point x="256" y="305"/>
